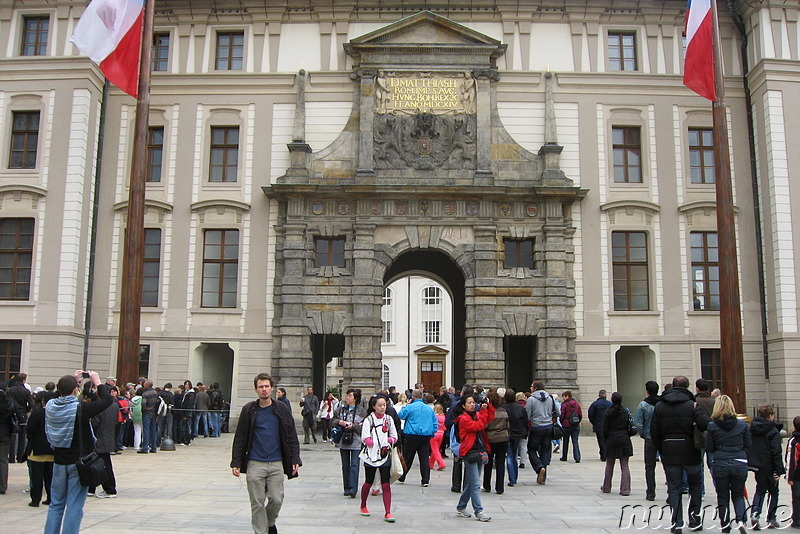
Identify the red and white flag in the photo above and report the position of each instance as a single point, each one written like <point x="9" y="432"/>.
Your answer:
<point x="110" y="33"/>
<point x="698" y="65"/>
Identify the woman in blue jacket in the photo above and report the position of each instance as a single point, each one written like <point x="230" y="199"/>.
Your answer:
<point x="728" y="439"/>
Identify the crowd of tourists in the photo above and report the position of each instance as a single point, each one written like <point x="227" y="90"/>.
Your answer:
<point x="491" y="434"/>
<point x="53" y="426"/>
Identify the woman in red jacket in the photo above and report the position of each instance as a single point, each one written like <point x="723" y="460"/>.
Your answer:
<point x="474" y="445"/>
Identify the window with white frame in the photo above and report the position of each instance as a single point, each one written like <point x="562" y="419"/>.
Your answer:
<point x="386" y="315"/>
<point x="385" y="377"/>
<point x="432" y="314"/>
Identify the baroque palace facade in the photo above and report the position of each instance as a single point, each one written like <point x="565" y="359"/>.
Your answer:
<point x="539" y="163"/>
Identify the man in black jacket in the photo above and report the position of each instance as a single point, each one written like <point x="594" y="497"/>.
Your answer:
<point x="265" y="447"/>
<point x="23" y="398"/>
<point x="764" y="457"/>
<point x="672" y="432"/>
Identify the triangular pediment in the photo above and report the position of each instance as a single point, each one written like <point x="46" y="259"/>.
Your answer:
<point x="425" y="27"/>
<point x="424" y="41"/>
<point x="431" y="350"/>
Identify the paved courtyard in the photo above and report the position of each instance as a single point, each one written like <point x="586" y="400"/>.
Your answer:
<point x="192" y="490"/>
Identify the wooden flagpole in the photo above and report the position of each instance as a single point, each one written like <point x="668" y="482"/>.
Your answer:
<point x="730" y="319"/>
<point x="132" y="267"/>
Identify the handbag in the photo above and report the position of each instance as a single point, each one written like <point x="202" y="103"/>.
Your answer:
<point x="336" y="434"/>
<point x="473" y="457"/>
<point x="91" y="467"/>
<point x="558" y="432"/>
<point x="632" y="428"/>
<point x="398" y="466"/>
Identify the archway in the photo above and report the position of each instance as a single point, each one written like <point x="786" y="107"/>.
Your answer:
<point x="440" y="267"/>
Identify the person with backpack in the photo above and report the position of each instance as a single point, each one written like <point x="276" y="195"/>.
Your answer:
<point x="571" y="416"/>
<point x="10" y="415"/>
<point x="792" y="471"/>
<point x="541" y="410"/>
<point x="498" y="435"/>
<point x="764" y="459"/>
<point x="123" y="419"/>
<point x="470" y="428"/>
<point x="378" y="434"/>
<point x="618" y="446"/>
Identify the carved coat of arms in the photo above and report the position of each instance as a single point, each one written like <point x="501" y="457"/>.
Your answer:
<point x="425" y="141"/>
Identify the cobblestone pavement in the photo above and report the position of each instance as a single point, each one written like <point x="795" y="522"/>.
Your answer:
<point x="192" y="490"/>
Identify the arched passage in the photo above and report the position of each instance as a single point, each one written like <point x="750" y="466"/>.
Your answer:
<point x="441" y="267"/>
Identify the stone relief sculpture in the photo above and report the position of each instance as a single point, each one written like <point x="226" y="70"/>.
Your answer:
<point x="468" y="93"/>
<point x="382" y="92"/>
<point x="425" y="141"/>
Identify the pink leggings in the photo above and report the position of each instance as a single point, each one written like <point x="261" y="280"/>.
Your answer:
<point x="436" y="455"/>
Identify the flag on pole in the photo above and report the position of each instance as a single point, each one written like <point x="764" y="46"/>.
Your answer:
<point x="698" y="65"/>
<point x="110" y="33"/>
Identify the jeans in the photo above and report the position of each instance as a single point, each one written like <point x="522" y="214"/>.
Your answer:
<point x="601" y="444"/>
<point x="650" y="467"/>
<point x="675" y="475"/>
<point x="571" y="433"/>
<point x="149" y="432"/>
<point x="511" y="460"/>
<point x="264" y="484"/>
<point x="214" y="418"/>
<point x="200" y="416"/>
<point x="67" y="498"/>
<point x="766" y="483"/>
<point x="350" y="463"/>
<point x="472" y="487"/>
<point x="539" y="449"/>
<point x="421" y="446"/>
<point x="186" y="429"/>
<point x="497" y="459"/>
<point x="796" y="502"/>
<point x="729" y="479"/>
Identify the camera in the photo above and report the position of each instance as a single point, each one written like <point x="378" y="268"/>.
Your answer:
<point x="85" y="374"/>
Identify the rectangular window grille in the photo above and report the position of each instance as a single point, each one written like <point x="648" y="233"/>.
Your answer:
<point x="224" y="160"/>
<point x="711" y="367"/>
<point x="329" y="252"/>
<point x="160" y="52"/>
<point x="630" y="266"/>
<point x="155" y="153"/>
<point x="622" y="51"/>
<point x="24" y="140"/>
<point x="10" y="358"/>
<point x="16" y="257"/>
<point x="518" y="253"/>
<point x="220" y="268"/>
<point x="34" y="36"/>
<point x="701" y="155"/>
<point x="230" y="51"/>
<point x="627" y="149"/>
<point x="144" y="361"/>
<point x="705" y="271"/>
<point x="151" y="266"/>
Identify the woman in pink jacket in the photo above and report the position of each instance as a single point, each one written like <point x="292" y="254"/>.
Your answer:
<point x="436" y="440"/>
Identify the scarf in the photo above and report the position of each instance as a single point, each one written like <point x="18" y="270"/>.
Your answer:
<point x="60" y="421"/>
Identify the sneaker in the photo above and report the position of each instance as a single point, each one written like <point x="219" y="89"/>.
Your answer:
<point x="90" y="493"/>
<point x="389" y="518"/>
<point x="754" y="523"/>
<point x="556" y="448"/>
<point x="375" y="492"/>
<point x="481" y="516"/>
<point x="103" y="495"/>
<point x="425" y="484"/>
<point x="364" y="511"/>
<point x="773" y="523"/>
<point x="123" y="448"/>
<point x="541" y="478"/>
<point x="522" y="465"/>
<point x="26" y="491"/>
<point x="462" y="513"/>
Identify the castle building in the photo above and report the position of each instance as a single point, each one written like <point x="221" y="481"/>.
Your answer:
<point x="363" y="193"/>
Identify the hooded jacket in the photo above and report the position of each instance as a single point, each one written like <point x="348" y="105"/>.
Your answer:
<point x="540" y="407"/>
<point x="644" y="415"/>
<point x="672" y="427"/>
<point x="728" y="439"/>
<point x="765" y="453"/>
<point x="517" y="420"/>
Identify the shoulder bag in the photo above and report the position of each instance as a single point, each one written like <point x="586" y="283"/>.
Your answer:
<point x="632" y="429"/>
<point x="91" y="468"/>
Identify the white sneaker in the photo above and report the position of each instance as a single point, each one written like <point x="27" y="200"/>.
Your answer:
<point x="462" y="513"/>
<point x="103" y="495"/>
<point x="481" y="516"/>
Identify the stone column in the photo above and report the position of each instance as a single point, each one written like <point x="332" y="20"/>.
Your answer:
<point x="483" y="102"/>
<point x="556" y="359"/>
<point x="362" y="360"/>
<point x="292" y="359"/>
<point x="366" y="101"/>
<point x="485" y="362"/>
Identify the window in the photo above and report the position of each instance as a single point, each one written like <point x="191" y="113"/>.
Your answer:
<point x="629" y="258"/>
<point x="518" y="253"/>
<point x="386" y="315"/>
<point x="622" y="51"/>
<point x="155" y="153"/>
<point x="152" y="266"/>
<point x="16" y="255"/>
<point x="24" y="140"/>
<point x="224" y="164"/>
<point x="230" y="50"/>
<point x="432" y="314"/>
<point x="627" y="155"/>
<point x="144" y="360"/>
<point x="34" y="36"/>
<point x="711" y="367"/>
<point x="160" y="52"/>
<point x="220" y="268"/>
<point x="329" y="251"/>
<point x="701" y="155"/>
<point x="705" y="271"/>
<point x="10" y="356"/>
<point x="385" y="377"/>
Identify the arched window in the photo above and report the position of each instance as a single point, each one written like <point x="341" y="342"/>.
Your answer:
<point x="386" y="315"/>
<point x="432" y="314"/>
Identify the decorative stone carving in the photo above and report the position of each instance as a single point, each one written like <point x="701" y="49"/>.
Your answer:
<point x="437" y="93"/>
<point x="425" y="141"/>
